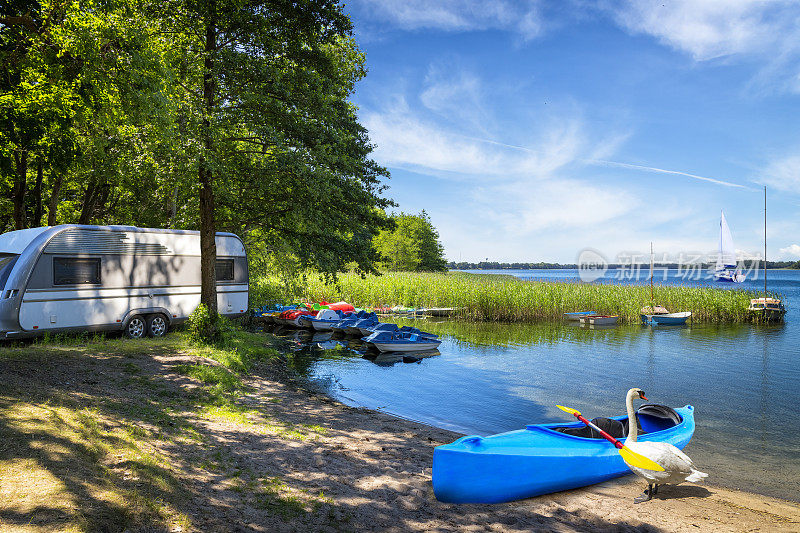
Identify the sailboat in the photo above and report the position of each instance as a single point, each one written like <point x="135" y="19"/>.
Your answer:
<point x="726" y="269"/>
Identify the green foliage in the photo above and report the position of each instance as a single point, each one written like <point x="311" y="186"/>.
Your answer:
<point x="82" y="97"/>
<point x="109" y="109"/>
<point x="412" y="245"/>
<point x="203" y="327"/>
<point x="265" y="104"/>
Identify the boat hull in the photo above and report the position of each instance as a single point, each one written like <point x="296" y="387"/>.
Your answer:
<point x="576" y="316"/>
<point x="406" y="346"/>
<point x="535" y="461"/>
<point x="673" y="319"/>
<point x="597" y="320"/>
<point x="323" y="325"/>
<point x="726" y="276"/>
<point x="304" y="321"/>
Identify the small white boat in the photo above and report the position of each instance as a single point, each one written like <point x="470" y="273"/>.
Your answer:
<point x="599" y="320"/>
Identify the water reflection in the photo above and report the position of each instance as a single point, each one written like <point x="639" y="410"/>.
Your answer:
<point x="309" y="347"/>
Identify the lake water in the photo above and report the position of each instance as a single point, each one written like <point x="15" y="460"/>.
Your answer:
<point x="743" y="380"/>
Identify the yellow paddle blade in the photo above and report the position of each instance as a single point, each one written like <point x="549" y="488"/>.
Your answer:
<point x="638" y="460"/>
<point x="569" y="410"/>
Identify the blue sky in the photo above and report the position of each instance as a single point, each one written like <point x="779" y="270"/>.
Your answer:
<point x="530" y="130"/>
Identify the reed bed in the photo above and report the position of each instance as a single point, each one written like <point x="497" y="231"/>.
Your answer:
<point x="502" y="298"/>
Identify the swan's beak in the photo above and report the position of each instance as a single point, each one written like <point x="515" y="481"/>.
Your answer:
<point x="642" y="396"/>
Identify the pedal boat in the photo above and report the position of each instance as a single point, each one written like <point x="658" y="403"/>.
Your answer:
<point x="387" y="341"/>
<point x="540" y="459"/>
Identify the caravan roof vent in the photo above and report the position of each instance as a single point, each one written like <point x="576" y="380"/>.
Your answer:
<point x="83" y="241"/>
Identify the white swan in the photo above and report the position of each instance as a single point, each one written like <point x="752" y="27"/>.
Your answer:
<point x="678" y="467"/>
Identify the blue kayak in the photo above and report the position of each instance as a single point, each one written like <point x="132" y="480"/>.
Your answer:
<point x="541" y="458"/>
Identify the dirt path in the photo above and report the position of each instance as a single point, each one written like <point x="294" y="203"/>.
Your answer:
<point x="95" y="439"/>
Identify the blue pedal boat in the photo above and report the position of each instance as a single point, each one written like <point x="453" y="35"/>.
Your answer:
<point x="363" y="326"/>
<point x="541" y="459"/>
<point x="394" y="328"/>
<point x="388" y="341"/>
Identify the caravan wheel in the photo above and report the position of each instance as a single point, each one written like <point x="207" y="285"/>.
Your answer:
<point x="136" y="327"/>
<point x="157" y="325"/>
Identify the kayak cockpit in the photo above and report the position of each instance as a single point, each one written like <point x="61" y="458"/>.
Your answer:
<point x="651" y="417"/>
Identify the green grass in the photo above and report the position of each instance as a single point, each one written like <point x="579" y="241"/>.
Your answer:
<point x="505" y="298"/>
<point x="238" y="352"/>
<point x="219" y="377"/>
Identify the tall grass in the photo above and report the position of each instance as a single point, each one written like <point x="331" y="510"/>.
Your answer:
<point x="505" y="298"/>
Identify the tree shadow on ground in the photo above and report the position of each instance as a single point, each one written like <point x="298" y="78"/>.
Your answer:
<point x="111" y="437"/>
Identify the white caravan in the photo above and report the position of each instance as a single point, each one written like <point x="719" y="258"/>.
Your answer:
<point x="93" y="278"/>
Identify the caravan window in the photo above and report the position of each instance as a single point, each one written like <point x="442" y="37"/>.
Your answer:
<point x="76" y="271"/>
<point x="224" y="269"/>
<point x="6" y="266"/>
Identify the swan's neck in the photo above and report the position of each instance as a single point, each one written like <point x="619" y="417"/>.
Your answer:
<point x="633" y="425"/>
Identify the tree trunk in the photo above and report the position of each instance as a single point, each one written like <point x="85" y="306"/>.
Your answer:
<point x="87" y="208"/>
<point x="18" y="190"/>
<point x="37" y="193"/>
<point x="208" y="245"/>
<point x="52" y="207"/>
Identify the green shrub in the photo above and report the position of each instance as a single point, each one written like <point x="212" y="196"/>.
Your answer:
<point x="205" y="328"/>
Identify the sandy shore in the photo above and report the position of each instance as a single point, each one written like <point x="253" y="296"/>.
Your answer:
<point x="378" y="468"/>
<point x="291" y="460"/>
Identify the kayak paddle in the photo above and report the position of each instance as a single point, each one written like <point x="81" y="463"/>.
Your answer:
<point x="630" y="457"/>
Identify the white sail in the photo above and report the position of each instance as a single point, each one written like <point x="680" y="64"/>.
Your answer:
<point x="727" y="253"/>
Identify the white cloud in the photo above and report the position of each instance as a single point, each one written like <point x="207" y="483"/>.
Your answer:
<point x="455" y="94"/>
<point x="792" y="251"/>
<point x="764" y="30"/>
<point x="712" y="28"/>
<point x="405" y="139"/>
<point x="783" y="174"/>
<point x="523" y="207"/>
<point x="455" y="15"/>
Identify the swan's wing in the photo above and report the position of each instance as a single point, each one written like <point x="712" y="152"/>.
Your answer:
<point x="668" y="456"/>
<point x="679" y="455"/>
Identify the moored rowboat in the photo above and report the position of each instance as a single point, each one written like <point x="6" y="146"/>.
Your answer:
<point x="671" y="319"/>
<point x="599" y="320"/>
<point x="540" y="459"/>
<point x="577" y="315"/>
